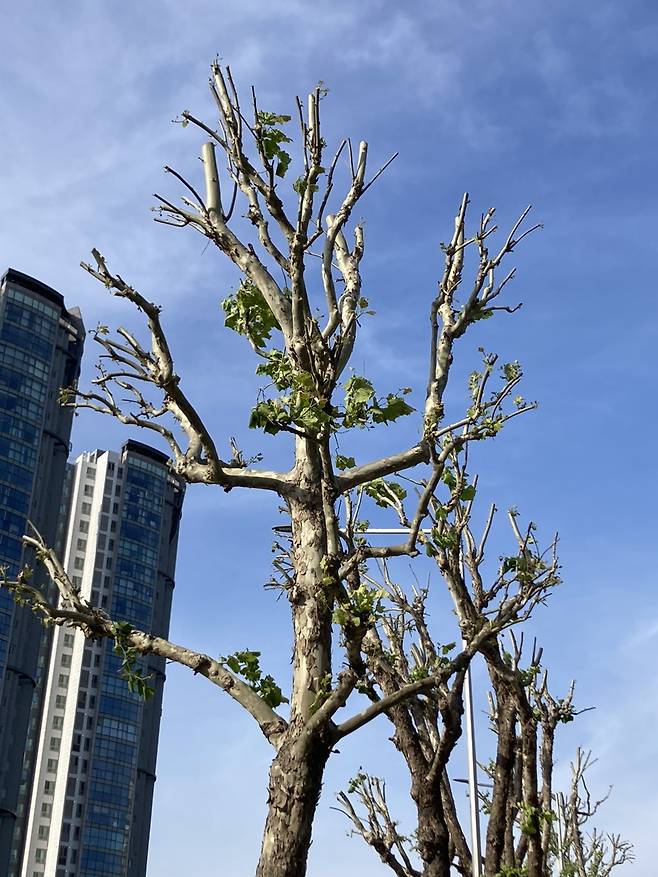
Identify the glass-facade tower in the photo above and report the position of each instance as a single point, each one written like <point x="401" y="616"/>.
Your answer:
<point x="40" y="351"/>
<point x="90" y="809"/>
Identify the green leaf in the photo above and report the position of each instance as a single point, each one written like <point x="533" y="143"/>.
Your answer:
<point x="363" y="408"/>
<point x="385" y="492"/>
<point x="270" y="137"/>
<point x="468" y="493"/>
<point x="508" y="564"/>
<point x="233" y="663"/>
<point x="395" y="407"/>
<point x="279" y="368"/>
<point x="283" y="164"/>
<point x="359" y="390"/>
<point x="130" y="670"/>
<point x="448" y="478"/>
<point x="248" y="314"/>
<point x="343" y="463"/>
<point x="363" y="606"/>
<point x="270" y="416"/>
<point x="247" y="664"/>
<point x="511" y="370"/>
<point x="302" y="407"/>
<point x="268" y="119"/>
<point x="446" y="537"/>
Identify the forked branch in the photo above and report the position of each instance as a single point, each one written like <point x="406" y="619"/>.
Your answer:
<point x="199" y="461"/>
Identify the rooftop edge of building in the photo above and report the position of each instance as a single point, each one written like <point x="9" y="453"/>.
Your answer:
<point x="25" y="281"/>
<point x="34" y="285"/>
<point x="132" y="445"/>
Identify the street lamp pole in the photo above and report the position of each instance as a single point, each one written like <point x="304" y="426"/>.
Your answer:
<point x="561" y="831"/>
<point x="471" y="756"/>
<point x="473" y="793"/>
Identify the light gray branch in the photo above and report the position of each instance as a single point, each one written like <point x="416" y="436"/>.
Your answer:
<point x="200" y="461"/>
<point x="352" y="478"/>
<point x="75" y="611"/>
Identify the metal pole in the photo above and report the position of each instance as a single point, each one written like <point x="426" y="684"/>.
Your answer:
<point x="371" y="531"/>
<point x="560" y="837"/>
<point x="473" y="794"/>
<point x="391" y="531"/>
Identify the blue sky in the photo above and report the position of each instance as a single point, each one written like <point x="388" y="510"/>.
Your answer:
<point x="517" y="102"/>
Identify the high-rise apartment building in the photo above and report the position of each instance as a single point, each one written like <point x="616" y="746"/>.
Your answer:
<point x="40" y="351"/>
<point x="90" y="807"/>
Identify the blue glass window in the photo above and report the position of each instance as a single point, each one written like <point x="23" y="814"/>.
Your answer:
<point x="40" y="347"/>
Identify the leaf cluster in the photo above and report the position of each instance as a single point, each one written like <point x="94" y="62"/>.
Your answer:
<point x="247" y="313"/>
<point x="357" y="782"/>
<point x="449" y="478"/>
<point x="130" y="671"/>
<point x="528" y="676"/>
<point x="531" y="818"/>
<point x="423" y="670"/>
<point x="385" y="492"/>
<point x="512" y="871"/>
<point x="247" y="664"/>
<point x="362" y="607"/>
<point x="364" y="409"/>
<point x="525" y="566"/>
<point x="269" y="139"/>
<point x="303" y="406"/>
<point x="298" y="409"/>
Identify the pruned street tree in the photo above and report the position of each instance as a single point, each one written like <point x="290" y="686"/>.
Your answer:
<point x="532" y="830"/>
<point x="584" y="850"/>
<point x="287" y="242"/>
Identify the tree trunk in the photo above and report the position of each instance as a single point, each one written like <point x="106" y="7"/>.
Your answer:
<point x="311" y="596"/>
<point x="294" y="790"/>
<point x="433" y="840"/>
<point x="534" y="862"/>
<point x="502" y="788"/>
<point x="297" y="770"/>
<point x="546" y="761"/>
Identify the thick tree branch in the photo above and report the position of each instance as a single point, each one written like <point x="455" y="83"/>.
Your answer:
<point x="352" y="478"/>
<point x="200" y="461"/>
<point x="241" y="255"/>
<point x="366" y="715"/>
<point x="73" y="610"/>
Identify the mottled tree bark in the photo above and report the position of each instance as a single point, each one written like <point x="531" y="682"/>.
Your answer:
<point x="433" y="837"/>
<point x="535" y="859"/>
<point x="503" y="776"/>
<point x="295" y="783"/>
<point x="546" y="764"/>
<point x="296" y="773"/>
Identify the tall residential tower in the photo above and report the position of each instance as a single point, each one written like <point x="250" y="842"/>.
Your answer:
<point x="90" y="808"/>
<point x="40" y="352"/>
